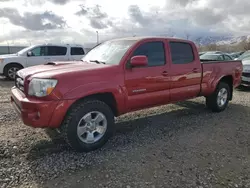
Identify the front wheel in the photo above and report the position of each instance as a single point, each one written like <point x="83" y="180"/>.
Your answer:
<point x="88" y="126"/>
<point x="11" y="70"/>
<point x="218" y="101"/>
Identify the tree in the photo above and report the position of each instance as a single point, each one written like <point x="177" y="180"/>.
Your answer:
<point x="187" y="35"/>
<point x="245" y="44"/>
<point x="198" y="41"/>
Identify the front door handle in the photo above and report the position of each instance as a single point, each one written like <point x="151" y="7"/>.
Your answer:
<point x="195" y="70"/>
<point x="164" y="73"/>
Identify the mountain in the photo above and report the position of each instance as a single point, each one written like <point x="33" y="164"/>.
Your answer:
<point x="234" y="40"/>
<point x="221" y="40"/>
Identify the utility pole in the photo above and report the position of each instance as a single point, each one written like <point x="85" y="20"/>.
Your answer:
<point x="97" y="37"/>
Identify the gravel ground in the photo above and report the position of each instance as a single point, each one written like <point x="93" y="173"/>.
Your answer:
<point x="181" y="145"/>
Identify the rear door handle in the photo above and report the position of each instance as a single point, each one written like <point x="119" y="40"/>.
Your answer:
<point x="195" y="70"/>
<point x="164" y="73"/>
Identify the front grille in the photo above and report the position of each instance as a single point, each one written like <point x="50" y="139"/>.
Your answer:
<point x="246" y="74"/>
<point x="19" y="82"/>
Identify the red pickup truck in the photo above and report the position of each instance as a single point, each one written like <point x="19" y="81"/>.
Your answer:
<point x="119" y="76"/>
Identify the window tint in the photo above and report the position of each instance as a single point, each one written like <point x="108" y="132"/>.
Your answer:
<point x="76" y="51"/>
<point x="56" y="50"/>
<point x="39" y="51"/>
<point x="154" y="51"/>
<point x="182" y="53"/>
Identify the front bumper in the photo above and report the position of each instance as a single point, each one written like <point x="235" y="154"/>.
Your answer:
<point x="245" y="79"/>
<point x="38" y="113"/>
<point x="1" y="68"/>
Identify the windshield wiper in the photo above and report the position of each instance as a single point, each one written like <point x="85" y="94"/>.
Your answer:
<point x="98" y="62"/>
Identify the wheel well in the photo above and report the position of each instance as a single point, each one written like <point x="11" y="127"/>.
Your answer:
<point x="229" y="81"/>
<point x="11" y="64"/>
<point x="107" y="98"/>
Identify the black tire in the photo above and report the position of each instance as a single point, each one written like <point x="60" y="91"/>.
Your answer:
<point x="211" y="101"/>
<point x="69" y="127"/>
<point x="11" y="68"/>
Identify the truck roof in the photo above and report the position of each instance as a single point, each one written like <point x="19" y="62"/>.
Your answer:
<point x="149" y="37"/>
<point x="58" y="44"/>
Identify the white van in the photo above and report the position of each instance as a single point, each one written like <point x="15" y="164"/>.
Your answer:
<point x="37" y="55"/>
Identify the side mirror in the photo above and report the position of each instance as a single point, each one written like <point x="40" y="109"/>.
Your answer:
<point x="29" y="54"/>
<point x="139" y="61"/>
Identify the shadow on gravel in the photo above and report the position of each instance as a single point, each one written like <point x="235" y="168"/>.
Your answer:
<point x="5" y="83"/>
<point x="243" y="89"/>
<point x="129" y="135"/>
<point x="4" y="79"/>
<point x="163" y="120"/>
<point x="190" y="108"/>
<point x="44" y="147"/>
<point x="57" y="143"/>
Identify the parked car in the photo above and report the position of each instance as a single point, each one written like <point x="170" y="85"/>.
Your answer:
<point x="236" y="54"/>
<point x="214" y="52"/>
<point x="36" y="55"/>
<point x="201" y="53"/>
<point x="245" y="79"/>
<point x="216" y="57"/>
<point x="246" y="54"/>
<point x="119" y="76"/>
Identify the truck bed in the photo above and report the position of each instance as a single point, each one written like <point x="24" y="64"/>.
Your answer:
<point x="211" y="70"/>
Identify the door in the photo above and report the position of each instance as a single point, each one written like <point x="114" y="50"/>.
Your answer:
<point x="39" y="55"/>
<point x="148" y="86"/>
<point x="185" y="71"/>
<point x="76" y="53"/>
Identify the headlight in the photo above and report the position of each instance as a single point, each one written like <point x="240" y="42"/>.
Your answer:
<point x="246" y="68"/>
<point x="1" y="60"/>
<point x="41" y="87"/>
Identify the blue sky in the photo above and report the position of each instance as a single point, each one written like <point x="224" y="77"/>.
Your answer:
<point x="76" y="21"/>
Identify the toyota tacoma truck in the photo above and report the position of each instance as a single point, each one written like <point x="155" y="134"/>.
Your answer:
<point x="81" y="99"/>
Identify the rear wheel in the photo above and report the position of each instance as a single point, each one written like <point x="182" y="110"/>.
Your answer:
<point x="10" y="71"/>
<point x="88" y="126"/>
<point x="218" y="101"/>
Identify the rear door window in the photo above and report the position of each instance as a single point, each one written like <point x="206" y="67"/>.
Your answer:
<point x="76" y="51"/>
<point x="181" y="53"/>
<point x="57" y="51"/>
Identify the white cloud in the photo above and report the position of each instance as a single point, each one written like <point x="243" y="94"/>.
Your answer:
<point x="60" y="20"/>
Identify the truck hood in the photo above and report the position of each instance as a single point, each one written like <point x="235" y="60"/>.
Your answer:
<point x="8" y="56"/>
<point x="58" y="68"/>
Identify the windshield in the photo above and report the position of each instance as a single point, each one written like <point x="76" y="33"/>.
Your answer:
<point x="110" y="52"/>
<point x="244" y="55"/>
<point x="210" y="57"/>
<point x="247" y="57"/>
<point x="25" y="50"/>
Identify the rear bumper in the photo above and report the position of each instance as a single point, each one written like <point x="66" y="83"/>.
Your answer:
<point x="38" y="113"/>
<point x="245" y="80"/>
